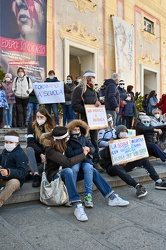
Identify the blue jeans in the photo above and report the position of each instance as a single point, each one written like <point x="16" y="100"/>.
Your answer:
<point x="68" y="178"/>
<point x="68" y="114"/>
<point x="154" y="150"/>
<point x="54" y="107"/>
<point x="8" y="115"/>
<point x="102" y="185"/>
<point x="32" y="108"/>
<point x="87" y="169"/>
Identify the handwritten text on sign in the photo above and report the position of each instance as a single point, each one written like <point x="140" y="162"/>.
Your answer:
<point x="128" y="149"/>
<point x="49" y="92"/>
<point x="96" y="116"/>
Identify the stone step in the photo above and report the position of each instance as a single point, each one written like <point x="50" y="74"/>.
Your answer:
<point x="27" y="193"/>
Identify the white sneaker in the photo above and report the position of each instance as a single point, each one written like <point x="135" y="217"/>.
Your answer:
<point x="117" y="202"/>
<point x="5" y="126"/>
<point x="80" y="213"/>
<point x="8" y="126"/>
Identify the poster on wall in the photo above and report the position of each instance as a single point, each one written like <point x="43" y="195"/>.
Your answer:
<point x="23" y="36"/>
<point x="124" y="49"/>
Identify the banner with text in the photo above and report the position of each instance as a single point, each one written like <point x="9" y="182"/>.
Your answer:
<point x="96" y="116"/>
<point x="23" y="37"/>
<point x="49" y="92"/>
<point x="128" y="149"/>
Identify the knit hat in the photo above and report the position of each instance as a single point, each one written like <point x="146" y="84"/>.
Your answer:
<point x="8" y="75"/>
<point x="59" y="133"/>
<point x="145" y="118"/>
<point x="121" y="82"/>
<point x="120" y="128"/>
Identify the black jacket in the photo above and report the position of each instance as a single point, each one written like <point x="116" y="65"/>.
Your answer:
<point x="112" y="96"/>
<point x="55" y="79"/>
<point x="16" y="162"/>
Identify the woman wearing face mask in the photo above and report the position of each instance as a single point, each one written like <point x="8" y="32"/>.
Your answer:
<point x="35" y="151"/>
<point x="68" y="113"/>
<point x="129" y="110"/>
<point x="22" y="87"/>
<point x="83" y="94"/>
<point x="7" y="85"/>
<point x="14" y="164"/>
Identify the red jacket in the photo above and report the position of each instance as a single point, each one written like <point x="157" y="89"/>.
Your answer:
<point x="162" y="104"/>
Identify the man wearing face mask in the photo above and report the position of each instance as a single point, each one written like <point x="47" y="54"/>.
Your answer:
<point x="152" y="135"/>
<point x="112" y="97"/>
<point x="14" y="166"/>
<point x="83" y="94"/>
<point x="68" y="113"/>
<point x="123" y="169"/>
<point x="54" y="106"/>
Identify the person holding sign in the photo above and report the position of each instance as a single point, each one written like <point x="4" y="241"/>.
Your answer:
<point x="122" y="170"/>
<point x="83" y="94"/>
<point x="55" y="144"/>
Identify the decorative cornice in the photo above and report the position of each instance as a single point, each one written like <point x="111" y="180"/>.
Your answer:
<point x="150" y="38"/>
<point x="77" y="32"/>
<point x="148" y="59"/>
<point x="82" y="5"/>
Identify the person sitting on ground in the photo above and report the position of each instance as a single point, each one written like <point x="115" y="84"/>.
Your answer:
<point x="122" y="170"/>
<point x="151" y="134"/>
<point x="35" y="151"/>
<point x="55" y="146"/>
<point x="14" y="166"/>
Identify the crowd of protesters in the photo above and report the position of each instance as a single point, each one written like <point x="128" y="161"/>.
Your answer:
<point x="75" y="147"/>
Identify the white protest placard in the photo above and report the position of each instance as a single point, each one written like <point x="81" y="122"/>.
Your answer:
<point x="96" y="116"/>
<point x="49" y="92"/>
<point x="131" y="132"/>
<point x="128" y="149"/>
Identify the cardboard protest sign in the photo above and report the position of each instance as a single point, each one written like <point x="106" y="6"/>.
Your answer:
<point x="96" y="117"/>
<point x="128" y="149"/>
<point x="49" y="92"/>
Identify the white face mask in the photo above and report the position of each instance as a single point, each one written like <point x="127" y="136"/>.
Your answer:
<point x="157" y="116"/>
<point x="21" y="74"/>
<point x="7" y="79"/>
<point x="123" y="135"/>
<point x="93" y="80"/>
<point x="51" y="77"/>
<point x="41" y="121"/>
<point x="79" y="80"/>
<point x="128" y="98"/>
<point x="10" y="147"/>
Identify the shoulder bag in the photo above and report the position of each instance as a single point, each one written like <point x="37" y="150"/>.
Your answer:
<point x="53" y="193"/>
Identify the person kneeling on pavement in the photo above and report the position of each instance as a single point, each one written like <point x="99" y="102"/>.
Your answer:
<point x="14" y="166"/>
<point x="123" y="169"/>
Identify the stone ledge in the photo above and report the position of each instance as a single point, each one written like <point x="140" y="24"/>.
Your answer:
<point x="27" y="193"/>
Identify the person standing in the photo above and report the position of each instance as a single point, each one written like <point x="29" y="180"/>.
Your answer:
<point x="22" y="87"/>
<point x="112" y="96"/>
<point x="129" y="111"/>
<point x="8" y="113"/>
<point x="68" y="113"/>
<point x="54" y="106"/>
<point x="83" y="94"/>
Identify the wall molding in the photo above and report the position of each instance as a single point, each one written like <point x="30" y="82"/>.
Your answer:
<point x="83" y="5"/>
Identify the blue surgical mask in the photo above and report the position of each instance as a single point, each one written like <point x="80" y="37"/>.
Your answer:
<point x="147" y="124"/>
<point x="75" y="133"/>
<point x="69" y="81"/>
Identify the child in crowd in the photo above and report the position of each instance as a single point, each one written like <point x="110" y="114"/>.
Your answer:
<point x="14" y="166"/>
<point x="3" y="103"/>
<point x="8" y="113"/>
<point x="55" y="146"/>
<point x="129" y="110"/>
